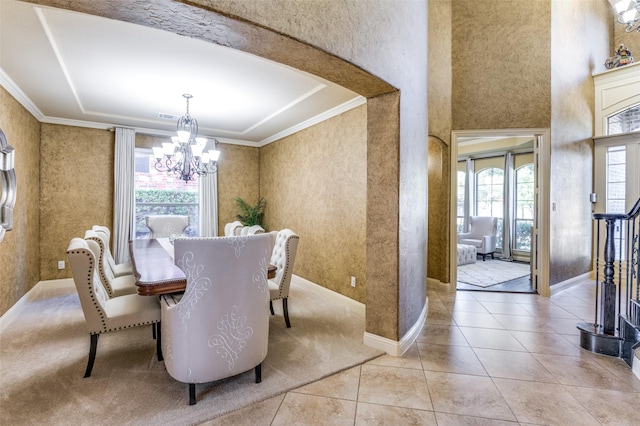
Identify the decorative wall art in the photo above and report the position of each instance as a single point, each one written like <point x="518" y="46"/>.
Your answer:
<point x="7" y="185"/>
<point x="621" y="58"/>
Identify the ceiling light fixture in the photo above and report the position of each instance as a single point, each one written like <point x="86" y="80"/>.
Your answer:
<point x="185" y="155"/>
<point x="628" y="13"/>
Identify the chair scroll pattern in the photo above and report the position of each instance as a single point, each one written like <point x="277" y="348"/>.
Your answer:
<point x="196" y="290"/>
<point x="232" y="337"/>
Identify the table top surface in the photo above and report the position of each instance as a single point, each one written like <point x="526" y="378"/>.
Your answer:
<point x="155" y="270"/>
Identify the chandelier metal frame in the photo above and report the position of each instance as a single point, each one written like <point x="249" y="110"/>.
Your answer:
<point x="628" y="13"/>
<point x="186" y="155"/>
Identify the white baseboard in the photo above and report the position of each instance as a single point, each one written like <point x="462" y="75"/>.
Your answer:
<point x="310" y="285"/>
<point x="392" y="347"/>
<point x="16" y="309"/>
<point x="571" y="282"/>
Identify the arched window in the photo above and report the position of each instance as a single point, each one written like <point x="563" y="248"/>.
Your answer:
<point x="489" y="192"/>
<point x="625" y="121"/>
<point x="460" y="202"/>
<point x="490" y="196"/>
<point x="524" y="207"/>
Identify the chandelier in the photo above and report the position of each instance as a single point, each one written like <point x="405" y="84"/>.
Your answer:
<point x="186" y="155"/>
<point x="628" y="13"/>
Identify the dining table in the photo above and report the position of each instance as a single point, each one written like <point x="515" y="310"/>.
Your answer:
<point x="155" y="270"/>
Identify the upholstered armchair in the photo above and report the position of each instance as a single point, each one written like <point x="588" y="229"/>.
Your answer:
<point x="220" y="326"/>
<point x="166" y="225"/>
<point x="118" y="269"/>
<point x="283" y="256"/>
<point x="251" y="230"/>
<point x="115" y="286"/>
<point x="482" y="235"/>
<point x="232" y="228"/>
<point x="101" y="313"/>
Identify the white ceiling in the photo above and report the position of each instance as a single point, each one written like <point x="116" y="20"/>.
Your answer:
<point x="82" y="70"/>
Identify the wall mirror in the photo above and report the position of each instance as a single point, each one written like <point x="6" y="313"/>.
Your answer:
<point x="7" y="185"/>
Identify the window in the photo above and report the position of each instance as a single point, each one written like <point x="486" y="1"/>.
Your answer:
<point x="460" y="202"/>
<point x="616" y="190"/>
<point x="524" y="207"/>
<point x="490" y="196"/>
<point x="624" y="122"/>
<point x="160" y="193"/>
<point x="616" y="182"/>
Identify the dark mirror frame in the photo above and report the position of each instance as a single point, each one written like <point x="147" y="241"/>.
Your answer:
<point x="8" y="188"/>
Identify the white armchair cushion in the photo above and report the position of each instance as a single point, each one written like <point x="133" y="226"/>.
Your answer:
<point x="163" y="226"/>
<point x="482" y="234"/>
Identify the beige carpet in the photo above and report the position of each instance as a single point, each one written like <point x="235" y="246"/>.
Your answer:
<point x="491" y="272"/>
<point x="43" y="354"/>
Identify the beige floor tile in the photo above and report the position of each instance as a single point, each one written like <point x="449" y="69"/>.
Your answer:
<point x="343" y="385"/>
<point x="400" y="387"/>
<point x="565" y="326"/>
<point x="261" y="413"/>
<point x="620" y="369"/>
<point x="547" y="343"/>
<point x="299" y="409"/>
<point x="467" y="395"/>
<point x="439" y="318"/>
<point x="373" y="415"/>
<point x="474" y="319"/>
<point x="505" y="308"/>
<point x="543" y="403"/>
<point x="522" y="322"/>
<point x="450" y="359"/>
<point x="466" y="306"/>
<point x="609" y="407"/>
<point x="583" y="371"/>
<point x="410" y="359"/>
<point x="513" y="365"/>
<point x="442" y="335"/>
<point x="491" y="339"/>
<point x="548" y="311"/>
<point x="489" y="296"/>
<point x="445" y="419"/>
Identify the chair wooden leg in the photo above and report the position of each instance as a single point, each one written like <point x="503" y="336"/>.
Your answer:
<point x="192" y="393"/>
<point x="92" y="354"/>
<point x="153" y="331"/>
<point x="258" y="373"/>
<point x="286" y="312"/>
<point x="271" y="307"/>
<point x="158" y="334"/>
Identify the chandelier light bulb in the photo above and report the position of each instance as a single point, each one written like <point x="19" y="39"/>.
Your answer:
<point x="186" y="156"/>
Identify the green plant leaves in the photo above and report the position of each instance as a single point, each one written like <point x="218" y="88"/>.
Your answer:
<point x="250" y="215"/>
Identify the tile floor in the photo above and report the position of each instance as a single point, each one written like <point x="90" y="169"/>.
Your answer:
<point x="482" y="359"/>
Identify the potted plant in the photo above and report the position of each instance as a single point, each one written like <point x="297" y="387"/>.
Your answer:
<point x="250" y="215"/>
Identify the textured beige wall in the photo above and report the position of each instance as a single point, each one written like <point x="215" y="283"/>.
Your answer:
<point x="314" y="183"/>
<point x="501" y="63"/>
<point x="440" y="86"/>
<point x="238" y="176"/>
<point x="76" y="171"/>
<point x="19" y="250"/>
<point x="572" y="95"/>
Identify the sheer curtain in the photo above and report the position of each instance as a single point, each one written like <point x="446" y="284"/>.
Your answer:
<point x="469" y="193"/>
<point x="208" y="191"/>
<point x="508" y="215"/>
<point x="123" y="197"/>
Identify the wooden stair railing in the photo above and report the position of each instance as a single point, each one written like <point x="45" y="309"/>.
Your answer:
<point x="616" y="327"/>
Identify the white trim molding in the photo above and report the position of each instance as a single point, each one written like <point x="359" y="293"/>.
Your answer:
<point x="393" y="348"/>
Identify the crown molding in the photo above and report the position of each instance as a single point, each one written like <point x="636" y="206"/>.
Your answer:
<point x="344" y="107"/>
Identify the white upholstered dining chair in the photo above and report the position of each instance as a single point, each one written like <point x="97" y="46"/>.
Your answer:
<point x="115" y="286"/>
<point x="117" y="268"/>
<point x="252" y="230"/>
<point x="220" y="326"/>
<point x="283" y="256"/>
<point x="232" y="228"/>
<point x="101" y="313"/>
<point x="166" y="225"/>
